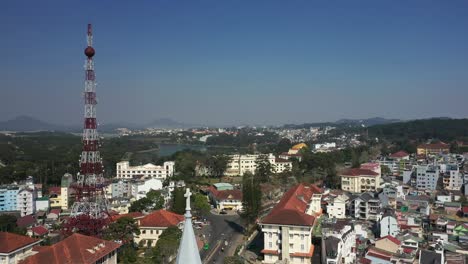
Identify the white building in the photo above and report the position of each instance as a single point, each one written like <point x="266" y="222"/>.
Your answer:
<point x="336" y="207"/>
<point x="324" y="147"/>
<point x="453" y="177"/>
<point x="26" y="201"/>
<point x="141" y="188"/>
<point x="119" y="188"/>
<point x="240" y="164"/>
<point x="288" y="227"/>
<point x="365" y="207"/>
<point x="338" y="242"/>
<point x="389" y="225"/>
<point x="124" y="170"/>
<point x="427" y="177"/>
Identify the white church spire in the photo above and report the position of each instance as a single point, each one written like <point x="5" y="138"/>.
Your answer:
<point x="188" y="249"/>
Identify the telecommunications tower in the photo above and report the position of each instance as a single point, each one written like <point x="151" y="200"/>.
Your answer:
<point x="89" y="214"/>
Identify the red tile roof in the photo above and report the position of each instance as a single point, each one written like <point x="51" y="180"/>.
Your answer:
<point x="55" y="211"/>
<point x="26" y="221"/>
<point x="465" y="209"/>
<point x="39" y="230"/>
<point x="161" y="218"/>
<point x="134" y="215"/>
<point x="280" y="160"/>
<point x="10" y="242"/>
<point x="291" y="209"/>
<point x="376" y="255"/>
<point x="358" y="172"/>
<point x="271" y="252"/>
<point x="55" y="190"/>
<point x="225" y="194"/>
<point x="76" y="248"/>
<point x="391" y="238"/>
<point x="399" y="154"/>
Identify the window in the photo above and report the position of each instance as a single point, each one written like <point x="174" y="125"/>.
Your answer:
<point x="270" y="245"/>
<point x="302" y="259"/>
<point x="270" y="234"/>
<point x="291" y="236"/>
<point x="143" y="232"/>
<point x="302" y="237"/>
<point x="302" y="246"/>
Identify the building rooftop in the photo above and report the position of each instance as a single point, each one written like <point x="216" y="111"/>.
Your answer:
<point x="292" y="207"/>
<point x="223" y="185"/>
<point x="76" y="248"/>
<point x="10" y="242"/>
<point x="161" y="218"/>
<point x="358" y="172"/>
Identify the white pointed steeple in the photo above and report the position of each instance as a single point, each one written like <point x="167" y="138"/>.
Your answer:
<point x="188" y="249"/>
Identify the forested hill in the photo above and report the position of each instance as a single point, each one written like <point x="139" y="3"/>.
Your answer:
<point x="444" y="129"/>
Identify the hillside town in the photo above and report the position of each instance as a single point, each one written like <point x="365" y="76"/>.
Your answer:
<point x="398" y="208"/>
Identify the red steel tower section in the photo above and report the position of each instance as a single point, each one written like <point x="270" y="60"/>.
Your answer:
<point x="89" y="214"/>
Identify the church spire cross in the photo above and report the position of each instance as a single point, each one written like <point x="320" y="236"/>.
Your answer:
<point x="187" y="203"/>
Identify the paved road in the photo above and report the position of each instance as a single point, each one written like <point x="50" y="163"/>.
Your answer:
<point x="222" y="228"/>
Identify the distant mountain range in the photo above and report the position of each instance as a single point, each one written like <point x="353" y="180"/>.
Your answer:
<point x="27" y="124"/>
<point x="348" y="122"/>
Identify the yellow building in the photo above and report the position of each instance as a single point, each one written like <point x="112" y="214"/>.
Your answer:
<point x="360" y="180"/>
<point x="433" y="149"/>
<point x="59" y="196"/>
<point x="296" y="148"/>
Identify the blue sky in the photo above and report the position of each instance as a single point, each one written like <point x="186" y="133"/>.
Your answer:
<point x="236" y="62"/>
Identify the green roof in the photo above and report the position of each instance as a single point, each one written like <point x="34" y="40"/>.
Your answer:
<point x="223" y="186"/>
<point x="452" y="204"/>
<point x="43" y="198"/>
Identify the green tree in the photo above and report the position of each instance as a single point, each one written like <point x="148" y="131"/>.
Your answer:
<point x="8" y="224"/>
<point x="167" y="245"/>
<point x="251" y="197"/>
<point x="264" y="168"/>
<point x="123" y="230"/>
<point x="178" y="201"/>
<point x="385" y="170"/>
<point x="128" y="254"/>
<point x="283" y="145"/>
<point x="200" y="203"/>
<point x="218" y="164"/>
<point x="153" y="201"/>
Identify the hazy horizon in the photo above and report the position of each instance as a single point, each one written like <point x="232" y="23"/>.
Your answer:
<point x="231" y="63"/>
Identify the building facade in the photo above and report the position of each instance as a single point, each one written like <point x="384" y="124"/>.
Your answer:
<point x="26" y="202"/>
<point x="288" y="227"/>
<point x="238" y="165"/>
<point x="360" y="180"/>
<point x="8" y="198"/>
<point x="14" y="248"/>
<point x="427" y="177"/>
<point x="151" y="226"/>
<point x="124" y="170"/>
<point x="338" y="242"/>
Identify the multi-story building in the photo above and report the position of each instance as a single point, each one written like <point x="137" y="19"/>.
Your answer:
<point x="452" y="177"/>
<point x="365" y="207"/>
<point x="336" y="207"/>
<point x="396" y="162"/>
<point x="8" y="198"/>
<point x="427" y="177"/>
<point x="67" y="180"/>
<point x="288" y="227"/>
<point x="360" y="180"/>
<point x="124" y="170"/>
<point x="389" y="224"/>
<point x="433" y="149"/>
<point x="26" y="201"/>
<point x="338" y="242"/>
<point x="151" y="226"/>
<point x="240" y="164"/>
<point x="14" y="248"/>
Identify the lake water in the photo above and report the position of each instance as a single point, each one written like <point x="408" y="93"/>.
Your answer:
<point x="169" y="149"/>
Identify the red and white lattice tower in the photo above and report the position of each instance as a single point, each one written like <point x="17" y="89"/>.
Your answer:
<point x="89" y="213"/>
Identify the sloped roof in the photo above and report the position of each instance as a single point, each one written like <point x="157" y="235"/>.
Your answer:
<point x="74" y="249"/>
<point x="26" y="221"/>
<point x="291" y="208"/>
<point x="392" y="239"/>
<point x="39" y="230"/>
<point x="358" y="172"/>
<point x="161" y="218"/>
<point x="55" y="190"/>
<point x="225" y="194"/>
<point x="440" y="145"/>
<point x="299" y="146"/>
<point x="399" y="154"/>
<point x="134" y="215"/>
<point x="10" y="242"/>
